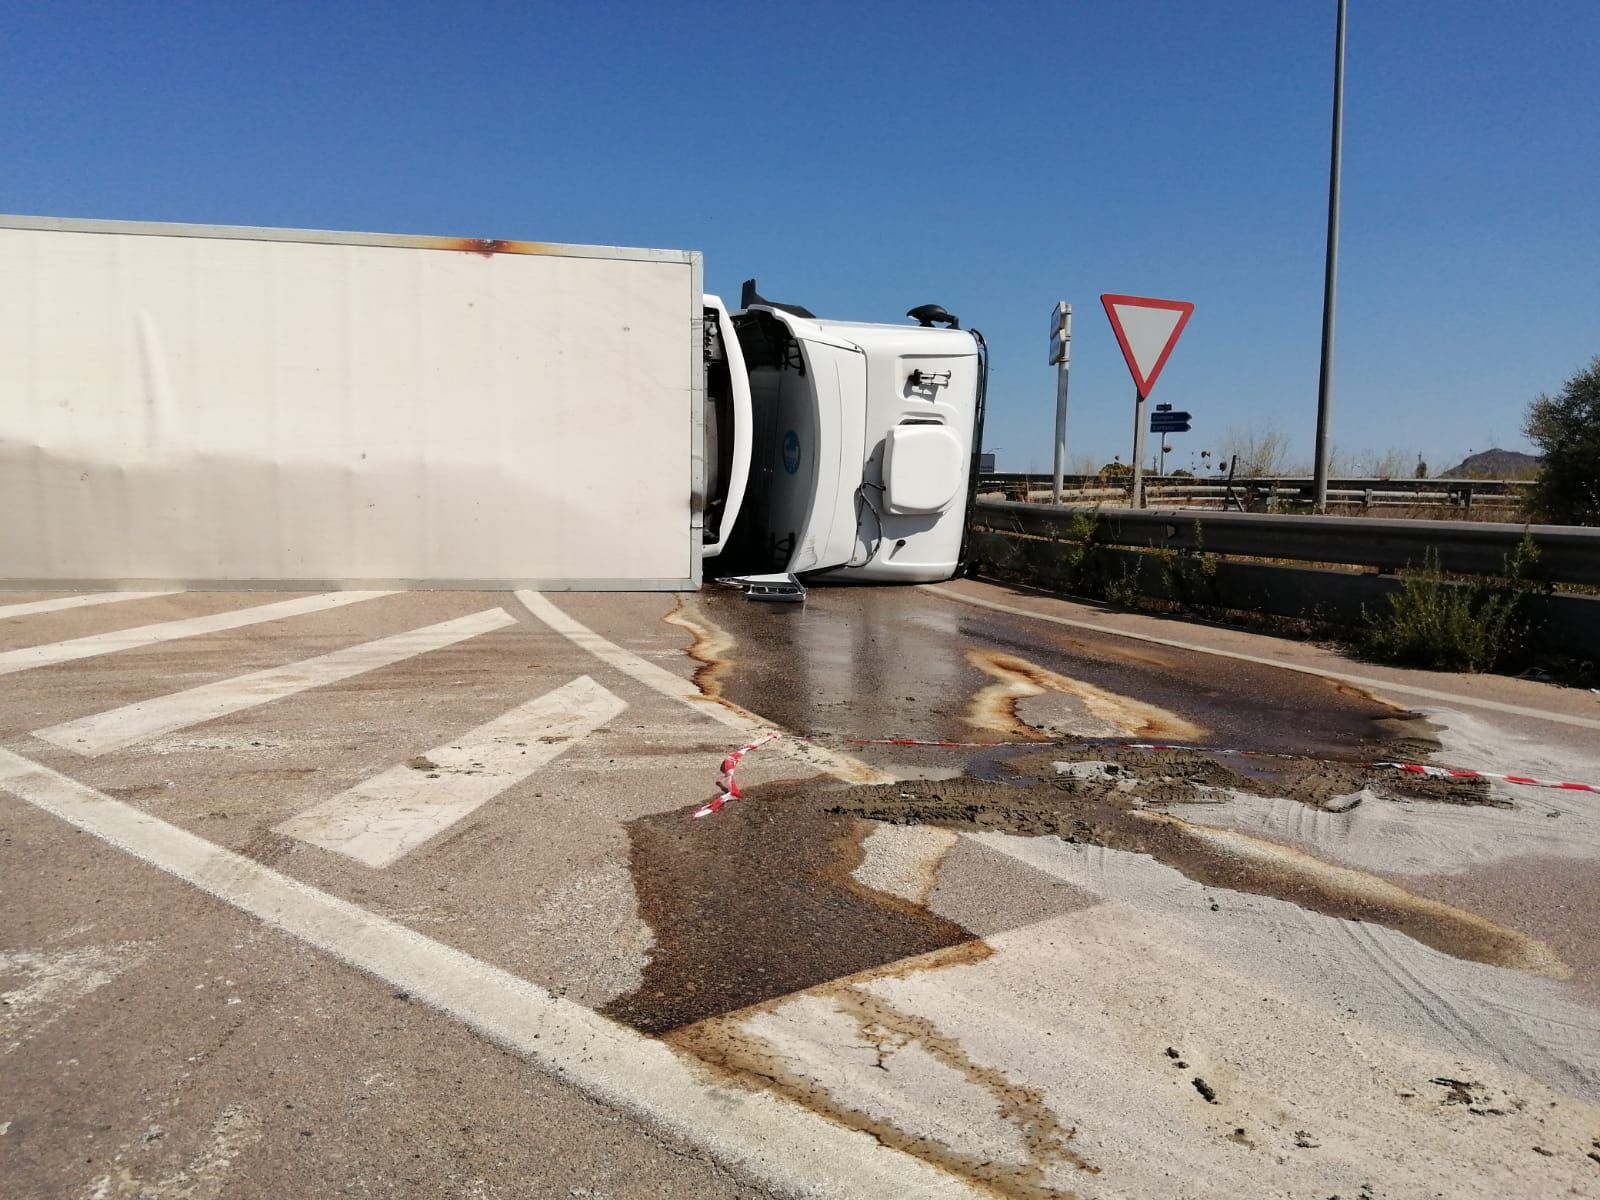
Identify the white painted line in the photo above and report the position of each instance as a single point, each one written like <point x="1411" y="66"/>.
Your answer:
<point x="118" y="727"/>
<point x="683" y="690"/>
<point x="30" y="657"/>
<point x="384" y="818"/>
<point x="646" y="672"/>
<point x="780" y="1143"/>
<point x="1361" y="681"/>
<point x="81" y="601"/>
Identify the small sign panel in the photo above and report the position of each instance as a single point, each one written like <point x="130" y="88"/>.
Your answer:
<point x="1169" y="422"/>
<point x="1147" y="329"/>
<point x="1060" y="332"/>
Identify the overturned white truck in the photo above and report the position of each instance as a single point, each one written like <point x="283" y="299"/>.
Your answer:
<point x="210" y="406"/>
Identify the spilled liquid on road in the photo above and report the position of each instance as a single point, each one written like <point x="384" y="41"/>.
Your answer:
<point x="756" y="903"/>
<point x="1106" y="813"/>
<point x="760" y="902"/>
<point x="994" y="708"/>
<point x="764" y="915"/>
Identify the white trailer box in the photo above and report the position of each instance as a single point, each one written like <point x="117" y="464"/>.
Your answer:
<point x="219" y="407"/>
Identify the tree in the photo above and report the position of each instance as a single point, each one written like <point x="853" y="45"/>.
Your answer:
<point x="1262" y="450"/>
<point x="1567" y="428"/>
<point x="1391" y="464"/>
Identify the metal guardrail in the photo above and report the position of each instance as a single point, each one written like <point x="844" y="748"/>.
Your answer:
<point x="1270" y="493"/>
<point x="1567" y="554"/>
<point x="1283" y="485"/>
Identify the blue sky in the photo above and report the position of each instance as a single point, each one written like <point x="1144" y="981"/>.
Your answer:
<point x="863" y="158"/>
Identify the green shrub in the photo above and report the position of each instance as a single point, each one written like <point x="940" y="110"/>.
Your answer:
<point x="1124" y="590"/>
<point x="1432" y="622"/>
<point x="1081" y="553"/>
<point x="1190" y="575"/>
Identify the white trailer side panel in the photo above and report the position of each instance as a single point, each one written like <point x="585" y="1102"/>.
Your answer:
<point x="203" y="406"/>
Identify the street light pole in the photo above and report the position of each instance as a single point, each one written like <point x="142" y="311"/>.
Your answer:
<point x="1060" y="354"/>
<point x="1330" y="272"/>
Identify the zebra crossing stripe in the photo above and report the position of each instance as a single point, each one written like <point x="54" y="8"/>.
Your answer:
<point x="60" y="603"/>
<point x="384" y="818"/>
<point x="782" y="1145"/>
<point x="118" y="727"/>
<point x="29" y="657"/>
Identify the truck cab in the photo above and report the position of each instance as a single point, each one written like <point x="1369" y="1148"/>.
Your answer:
<point x="861" y="449"/>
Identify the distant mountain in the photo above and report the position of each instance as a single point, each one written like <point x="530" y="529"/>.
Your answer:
<point x="1494" y="464"/>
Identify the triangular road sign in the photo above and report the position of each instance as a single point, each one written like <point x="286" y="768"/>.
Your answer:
<point x="1147" y="330"/>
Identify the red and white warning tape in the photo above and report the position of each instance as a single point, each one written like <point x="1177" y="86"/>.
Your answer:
<point x="1433" y="772"/>
<point x="1462" y="773"/>
<point x="944" y="745"/>
<point x="1068" y="744"/>
<point x="727" y="786"/>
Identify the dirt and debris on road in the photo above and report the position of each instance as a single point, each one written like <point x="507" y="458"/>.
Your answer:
<point x="761" y="901"/>
<point x="1105" y="813"/>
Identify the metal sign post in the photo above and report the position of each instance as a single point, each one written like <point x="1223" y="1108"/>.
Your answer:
<point x="1147" y="329"/>
<point x="1060" y="354"/>
<point x="1165" y="421"/>
<point x="1137" y="496"/>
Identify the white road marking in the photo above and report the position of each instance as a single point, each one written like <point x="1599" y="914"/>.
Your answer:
<point x="784" y="1145"/>
<point x="683" y="690"/>
<point x="386" y="817"/>
<point x="1361" y="681"/>
<point x="118" y="727"/>
<point x="81" y="601"/>
<point x="30" y="657"/>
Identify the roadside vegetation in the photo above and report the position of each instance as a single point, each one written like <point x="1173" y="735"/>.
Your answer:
<point x="1435" y="622"/>
<point x="1434" y="619"/>
<point x="1567" y="428"/>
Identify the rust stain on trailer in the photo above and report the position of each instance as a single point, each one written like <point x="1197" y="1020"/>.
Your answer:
<point x="489" y="247"/>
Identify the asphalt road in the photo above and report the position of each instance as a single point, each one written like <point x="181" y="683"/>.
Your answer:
<point x="402" y="894"/>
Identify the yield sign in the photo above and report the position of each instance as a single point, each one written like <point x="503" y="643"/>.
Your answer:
<point x="1147" y="330"/>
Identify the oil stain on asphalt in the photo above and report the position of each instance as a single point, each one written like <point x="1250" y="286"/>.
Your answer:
<point x="1110" y="813"/>
<point x="758" y="902"/>
<point x="861" y="662"/>
<point x="888" y="1032"/>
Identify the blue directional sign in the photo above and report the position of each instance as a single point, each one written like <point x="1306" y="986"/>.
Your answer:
<point x="1170" y="422"/>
